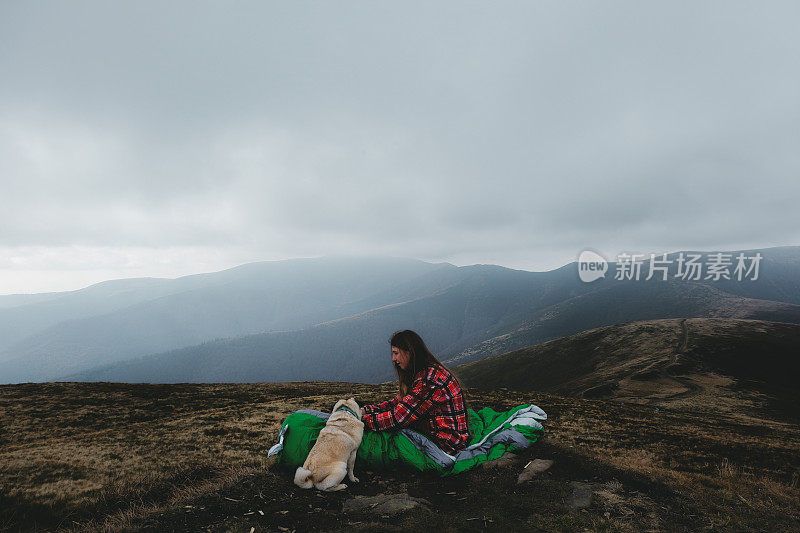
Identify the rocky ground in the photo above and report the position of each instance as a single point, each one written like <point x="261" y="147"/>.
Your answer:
<point x="193" y="458"/>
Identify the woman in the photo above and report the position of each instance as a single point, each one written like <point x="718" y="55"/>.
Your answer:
<point x="430" y="400"/>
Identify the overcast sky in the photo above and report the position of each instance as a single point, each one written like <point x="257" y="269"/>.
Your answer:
<point x="168" y="138"/>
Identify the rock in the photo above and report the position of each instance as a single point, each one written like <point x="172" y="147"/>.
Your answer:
<point x="581" y="496"/>
<point x="537" y="466"/>
<point x="506" y="460"/>
<point x="383" y="504"/>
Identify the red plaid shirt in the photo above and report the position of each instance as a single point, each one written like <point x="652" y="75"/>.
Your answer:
<point x="435" y="406"/>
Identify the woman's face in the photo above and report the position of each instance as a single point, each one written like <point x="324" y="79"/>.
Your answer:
<point x="400" y="357"/>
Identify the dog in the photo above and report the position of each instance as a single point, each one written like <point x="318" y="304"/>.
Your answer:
<point x="334" y="453"/>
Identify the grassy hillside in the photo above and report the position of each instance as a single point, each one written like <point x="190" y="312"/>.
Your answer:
<point x="193" y="458"/>
<point x="730" y="365"/>
<point x="626" y="302"/>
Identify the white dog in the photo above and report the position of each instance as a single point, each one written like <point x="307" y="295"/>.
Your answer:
<point x="334" y="453"/>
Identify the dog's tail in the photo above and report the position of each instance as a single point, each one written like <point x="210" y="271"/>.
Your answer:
<point x="302" y="478"/>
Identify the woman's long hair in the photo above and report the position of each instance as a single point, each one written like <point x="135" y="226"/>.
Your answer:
<point x="420" y="357"/>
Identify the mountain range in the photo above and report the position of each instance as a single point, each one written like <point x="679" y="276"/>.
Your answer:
<point x="330" y="318"/>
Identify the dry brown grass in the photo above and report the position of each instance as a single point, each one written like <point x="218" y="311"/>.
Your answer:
<point x="105" y="457"/>
<point x="71" y="450"/>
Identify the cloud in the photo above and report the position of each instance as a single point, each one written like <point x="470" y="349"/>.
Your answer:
<point x="513" y="134"/>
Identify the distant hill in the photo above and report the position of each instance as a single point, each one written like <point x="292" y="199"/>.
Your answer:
<point x="351" y="348"/>
<point x="697" y="362"/>
<point x="22" y="315"/>
<point x="256" y="321"/>
<point x="17" y="300"/>
<point x="113" y="321"/>
<point x="620" y="302"/>
<point x="356" y="348"/>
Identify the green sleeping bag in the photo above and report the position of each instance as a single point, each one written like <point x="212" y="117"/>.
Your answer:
<point x="493" y="434"/>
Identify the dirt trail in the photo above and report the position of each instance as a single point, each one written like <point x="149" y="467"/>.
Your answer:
<point x="683" y="344"/>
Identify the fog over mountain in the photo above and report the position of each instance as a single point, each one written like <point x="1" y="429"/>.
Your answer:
<point x="135" y="145"/>
<point x="330" y="318"/>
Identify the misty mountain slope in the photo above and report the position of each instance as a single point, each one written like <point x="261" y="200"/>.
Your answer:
<point x="16" y="300"/>
<point x="503" y="309"/>
<point x="778" y="275"/>
<point x="32" y="315"/>
<point x="677" y="362"/>
<point x="463" y="316"/>
<point x="618" y="302"/>
<point x="352" y="348"/>
<point x="325" y="283"/>
<point x="252" y="298"/>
